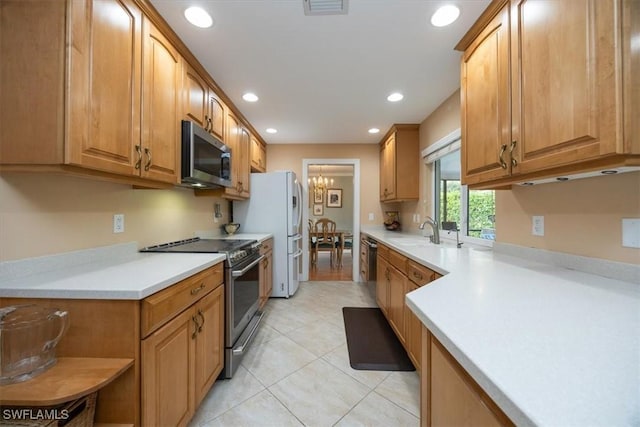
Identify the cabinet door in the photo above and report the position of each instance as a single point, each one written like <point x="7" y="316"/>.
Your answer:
<point x="485" y="112"/>
<point x="383" y="276"/>
<point x="269" y="278"/>
<point x="266" y="278"/>
<point x="413" y="332"/>
<point x="397" y="291"/>
<point x="162" y="75"/>
<point x="194" y="103"/>
<point x="564" y="81"/>
<point x="232" y="140"/>
<point x="209" y="351"/>
<point x="105" y="79"/>
<point x="388" y="169"/>
<point x="244" y="168"/>
<point x="168" y="374"/>
<point x="258" y="155"/>
<point x="217" y="114"/>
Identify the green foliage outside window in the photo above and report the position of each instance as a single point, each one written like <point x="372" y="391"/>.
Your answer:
<point x="481" y="209"/>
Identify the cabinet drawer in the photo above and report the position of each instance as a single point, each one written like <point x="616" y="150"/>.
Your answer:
<point x="162" y="306"/>
<point x="419" y="274"/>
<point x="398" y="261"/>
<point x="383" y="251"/>
<point x="266" y="246"/>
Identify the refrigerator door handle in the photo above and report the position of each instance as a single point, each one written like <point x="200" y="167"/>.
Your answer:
<point x="297" y="237"/>
<point x="298" y="253"/>
<point x="299" y="221"/>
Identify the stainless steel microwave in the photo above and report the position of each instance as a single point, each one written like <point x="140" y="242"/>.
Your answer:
<point x="206" y="161"/>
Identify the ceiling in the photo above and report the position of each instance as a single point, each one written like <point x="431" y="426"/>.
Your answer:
<point x="325" y="79"/>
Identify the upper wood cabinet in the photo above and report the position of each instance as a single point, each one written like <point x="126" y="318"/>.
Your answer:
<point x="237" y="138"/>
<point x="159" y="151"/>
<point x="399" y="164"/>
<point x="202" y="105"/>
<point x="90" y="121"/>
<point x="543" y="92"/>
<point x="258" y="155"/>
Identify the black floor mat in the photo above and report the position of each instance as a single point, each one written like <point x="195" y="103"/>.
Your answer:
<point x="372" y="343"/>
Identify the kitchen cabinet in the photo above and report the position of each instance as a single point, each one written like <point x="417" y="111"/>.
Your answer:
<point x="169" y="365"/>
<point x="238" y="139"/>
<point x="449" y="396"/>
<point x="182" y="359"/>
<point x="543" y="90"/>
<point x="161" y="103"/>
<point x="89" y="57"/>
<point x="266" y="272"/>
<point x="399" y="164"/>
<point x="202" y="105"/>
<point x="396" y="276"/>
<point x="364" y="259"/>
<point x="258" y="156"/>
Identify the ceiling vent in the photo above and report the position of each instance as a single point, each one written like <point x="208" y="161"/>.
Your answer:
<point x="325" y="7"/>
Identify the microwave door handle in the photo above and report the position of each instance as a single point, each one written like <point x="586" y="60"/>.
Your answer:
<point x="236" y="273"/>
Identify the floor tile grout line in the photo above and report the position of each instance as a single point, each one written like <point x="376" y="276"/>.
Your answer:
<point x="286" y="407"/>
<point x="395" y="404"/>
<point x="354" y="406"/>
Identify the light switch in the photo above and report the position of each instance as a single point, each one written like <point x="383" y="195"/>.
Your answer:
<point x="631" y="232"/>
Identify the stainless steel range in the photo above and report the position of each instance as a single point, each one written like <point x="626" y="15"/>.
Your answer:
<point x="242" y="290"/>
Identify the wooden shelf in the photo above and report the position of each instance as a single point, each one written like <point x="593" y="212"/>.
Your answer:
<point x="69" y="379"/>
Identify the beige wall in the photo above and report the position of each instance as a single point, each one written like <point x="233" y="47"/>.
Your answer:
<point x="582" y="217"/>
<point x="46" y="214"/>
<point x="290" y="156"/>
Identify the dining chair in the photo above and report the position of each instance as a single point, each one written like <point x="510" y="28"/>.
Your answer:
<point x="326" y="238"/>
<point x="345" y="243"/>
<point x="313" y="253"/>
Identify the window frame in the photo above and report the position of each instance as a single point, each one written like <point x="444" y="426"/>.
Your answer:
<point x="463" y="224"/>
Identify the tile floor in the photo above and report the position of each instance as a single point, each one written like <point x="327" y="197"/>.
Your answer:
<point x="297" y="371"/>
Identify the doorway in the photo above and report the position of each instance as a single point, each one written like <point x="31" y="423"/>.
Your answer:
<point x="339" y="201"/>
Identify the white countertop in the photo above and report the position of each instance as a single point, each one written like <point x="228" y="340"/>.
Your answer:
<point x="551" y="346"/>
<point x="111" y="272"/>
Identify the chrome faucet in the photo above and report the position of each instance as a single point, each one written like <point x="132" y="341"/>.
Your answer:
<point x="435" y="237"/>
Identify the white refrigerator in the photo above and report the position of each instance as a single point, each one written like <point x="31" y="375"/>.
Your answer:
<point x="274" y="207"/>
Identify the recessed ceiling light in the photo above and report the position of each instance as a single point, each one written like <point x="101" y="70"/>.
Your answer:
<point x="271" y="130"/>
<point x="250" y="97"/>
<point x="198" y="17"/>
<point x="374" y="130"/>
<point x="395" y="97"/>
<point x="445" y="15"/>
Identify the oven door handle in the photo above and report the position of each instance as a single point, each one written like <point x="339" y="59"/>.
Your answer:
<point x="236" y="273"/>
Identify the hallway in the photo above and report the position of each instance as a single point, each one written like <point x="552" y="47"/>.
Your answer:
<point x="323" y="271"/>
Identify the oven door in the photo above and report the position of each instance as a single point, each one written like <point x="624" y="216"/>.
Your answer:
<point x="242" y="297"/>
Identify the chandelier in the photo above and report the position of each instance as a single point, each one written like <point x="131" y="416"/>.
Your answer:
<point x="320" y="183"/>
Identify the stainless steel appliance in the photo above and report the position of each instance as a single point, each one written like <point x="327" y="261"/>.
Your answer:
<point x="206" y="161"/>
<point x="242" y="290"/>
<point x="275" y="207"/>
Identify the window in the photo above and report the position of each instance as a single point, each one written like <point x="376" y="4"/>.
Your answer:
<point x="472" y="211"/>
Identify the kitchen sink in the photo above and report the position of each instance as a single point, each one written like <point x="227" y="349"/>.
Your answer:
<point x="411" y="241"/>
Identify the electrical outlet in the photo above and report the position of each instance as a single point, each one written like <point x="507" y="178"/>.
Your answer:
<point x="537" y="226"/>
<point x="370" y="216"/>
<point x="418" y="218"/>
<point x="118" y="223"/>
<point x="631" y="232"/>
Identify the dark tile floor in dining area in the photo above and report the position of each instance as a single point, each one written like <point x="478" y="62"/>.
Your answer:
<point x="297" y="370"/>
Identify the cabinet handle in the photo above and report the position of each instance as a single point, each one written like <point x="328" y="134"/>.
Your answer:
<point x="514" y="162"/>
<point x="147" y="151"/>
<point x="206" y="123"/>
<point x="197" y="328"/>
<point x="210" y="124"/>
<point x="139" y="151"/>
<point x="202" y="317"/>
<point x="198" y="289"/>
<point x="417" y="275"/>
<point x="387" y="275"/>
<point x="503" y="164"/>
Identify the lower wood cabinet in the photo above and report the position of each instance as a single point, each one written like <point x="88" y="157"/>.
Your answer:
<point x="175" y="338"/>
<point x="182" y="360"/>
<point x="397" y="276"/>
<point x="448" y="394"/>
